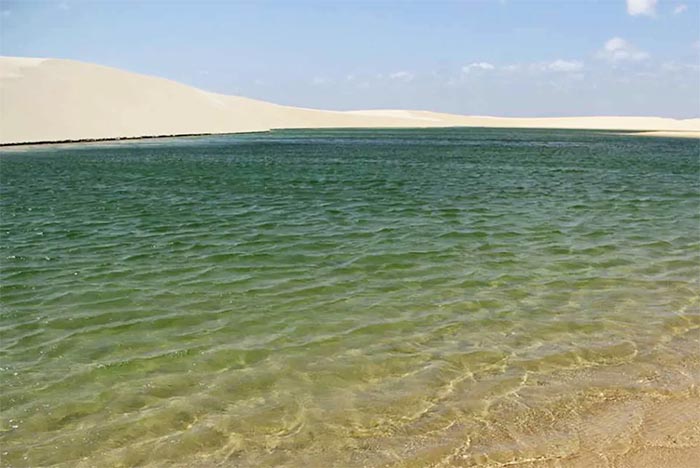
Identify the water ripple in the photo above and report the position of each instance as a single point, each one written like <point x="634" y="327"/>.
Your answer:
<point x="338" y="297"/>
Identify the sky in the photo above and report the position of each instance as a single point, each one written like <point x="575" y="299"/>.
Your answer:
<point x="490" y="57"/>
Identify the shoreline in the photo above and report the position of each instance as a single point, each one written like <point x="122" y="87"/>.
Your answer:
<point x="669" y="134"/>
<point x="646" y="133"/>
<point x="644" y="431"/>
<point x="118" y="139"/>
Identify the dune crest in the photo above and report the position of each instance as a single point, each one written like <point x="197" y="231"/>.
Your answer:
<point x="48" y="100"/>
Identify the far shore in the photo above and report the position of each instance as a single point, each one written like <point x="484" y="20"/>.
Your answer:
<point x="49" y="101"/>
<point x="668" y="134"/>
<point x="664" y="134"/>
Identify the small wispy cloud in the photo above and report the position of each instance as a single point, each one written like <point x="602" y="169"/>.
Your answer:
<point x="641" y="7"/>
<point x="618" y="50"/>
<point x="5" y="13"/>
<point x="680" y="9"/>
<point x="556" y="66"/>
<point x="478" y="66"/>
<point x="676" y="67"/>
<point x="319" y="81"/>
<point x="564" y="66"/>
<point x="402" y="76"/>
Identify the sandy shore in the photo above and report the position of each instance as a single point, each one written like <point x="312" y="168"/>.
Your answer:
<point x="636" y="433"/>
<point x="51" y="100"/>
<point x="682" y="134"/>
<point x="629" y="433"/>
<point x="614" y="431"/>
<point x="644" y="433"/>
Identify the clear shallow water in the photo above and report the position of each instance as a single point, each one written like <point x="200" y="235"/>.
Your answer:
<point x="342" y="298"/>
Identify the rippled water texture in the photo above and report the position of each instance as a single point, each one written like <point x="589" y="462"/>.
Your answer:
<point x="341" y="298"/>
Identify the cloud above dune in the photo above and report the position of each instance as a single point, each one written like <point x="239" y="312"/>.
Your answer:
<point x="564" y="66"/>
<point x="557" y="66"/>
<point x="679" y="67"/>
<point x="641" y="7"/>
<point x="680" y="9"/>
<point x="618" y="50"/>
<point x="478" y="66"/>
<point x="401" y="76"/>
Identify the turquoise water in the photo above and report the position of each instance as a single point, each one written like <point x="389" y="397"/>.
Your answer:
<point x="337" y="298"/>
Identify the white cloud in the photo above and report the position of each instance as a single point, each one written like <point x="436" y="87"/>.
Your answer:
<point x="319" y="81"/>
<point x="402" y="76"/>
<point x="619" y="50"/>
<point x="564" y="66"/>
<point x="680" y="9"/>
<point x="676" y="67"/>
<point x="6" y="13"/>
<point x="641" y="7"/>
<point x="559" y="66"/>
<point x="478" y="66"/>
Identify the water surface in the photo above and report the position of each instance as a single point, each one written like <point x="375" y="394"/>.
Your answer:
<point x="339" y="298"/>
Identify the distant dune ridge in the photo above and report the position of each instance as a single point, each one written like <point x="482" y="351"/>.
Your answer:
<point x="49" y="100"/>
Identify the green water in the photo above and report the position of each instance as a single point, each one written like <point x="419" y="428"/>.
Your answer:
<point x="336" y="298"/>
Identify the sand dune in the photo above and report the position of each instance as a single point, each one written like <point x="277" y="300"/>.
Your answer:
<point x="58" y="100"/>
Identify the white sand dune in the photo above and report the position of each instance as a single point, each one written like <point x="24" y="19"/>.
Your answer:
<point x="48" y="100"/>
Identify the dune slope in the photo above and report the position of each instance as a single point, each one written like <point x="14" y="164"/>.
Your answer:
<point x="57" y="100"/>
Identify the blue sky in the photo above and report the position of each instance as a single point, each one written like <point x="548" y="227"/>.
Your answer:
<point x="512" y="58"/>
